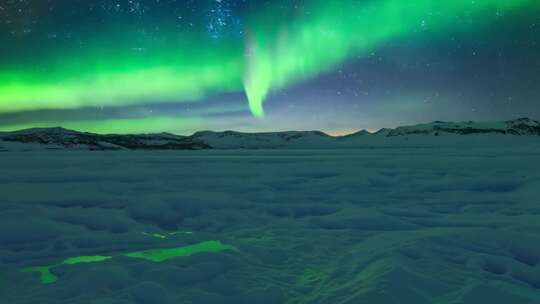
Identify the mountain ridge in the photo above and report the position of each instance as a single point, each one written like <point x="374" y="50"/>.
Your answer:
<point x="58" y="138"/>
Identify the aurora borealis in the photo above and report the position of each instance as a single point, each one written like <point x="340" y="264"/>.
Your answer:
<point x="179" y="66"/>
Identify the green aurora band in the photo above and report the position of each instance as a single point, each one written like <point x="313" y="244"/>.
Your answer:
<point x="128" y="125"/>
<point x="335" y="30"/>
<point x="273" y="56"/>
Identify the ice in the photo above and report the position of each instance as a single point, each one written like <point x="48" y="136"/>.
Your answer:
<point x="442" y="224"/>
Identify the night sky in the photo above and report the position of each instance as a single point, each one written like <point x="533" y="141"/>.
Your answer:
<point x="143" y="66"/>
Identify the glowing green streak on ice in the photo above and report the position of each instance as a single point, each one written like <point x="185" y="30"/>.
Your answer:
<point x="46" y="275"/>
<point x="160" y="255"/>
<point x="153" y="255"/>
<point x="86" y="259"/>
<point x="278" y="56"/>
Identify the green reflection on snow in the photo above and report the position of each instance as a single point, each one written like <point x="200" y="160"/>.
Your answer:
<point x="154" y="255"/>
<point x="86" y="259"/>
<point x="46" y="275"/>
<point x="160" y="255"/>
<point x="311" y="276"/>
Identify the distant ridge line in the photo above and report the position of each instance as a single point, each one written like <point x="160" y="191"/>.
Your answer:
<point x="58" y="138"/>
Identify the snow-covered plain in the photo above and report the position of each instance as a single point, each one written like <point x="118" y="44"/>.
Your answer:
<point x="352" y="226"/>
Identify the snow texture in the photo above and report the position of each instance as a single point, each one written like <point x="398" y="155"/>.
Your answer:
<point x="443" y="225"/>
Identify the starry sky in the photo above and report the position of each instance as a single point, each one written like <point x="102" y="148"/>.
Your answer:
<point x="143" y="66"/>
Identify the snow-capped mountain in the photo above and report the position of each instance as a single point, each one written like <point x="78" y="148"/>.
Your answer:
<point x="522" y="126"/>
<point x="437" y="133"/>
<point x="355" y="134"/>
<point x="239" y="140"/>
<point x="62" y="139"/>
<point x="447" y="134"/>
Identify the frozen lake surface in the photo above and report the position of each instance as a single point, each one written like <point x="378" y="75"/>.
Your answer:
<point x="385" y="226"/>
